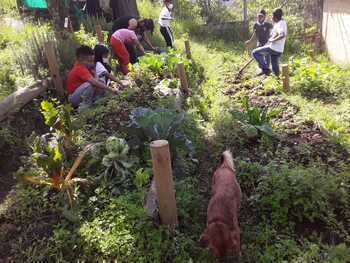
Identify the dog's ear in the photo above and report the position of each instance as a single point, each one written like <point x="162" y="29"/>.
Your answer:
<point x="204" y="240"/>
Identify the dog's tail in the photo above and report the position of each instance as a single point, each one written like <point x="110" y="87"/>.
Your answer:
<point x="227" y="160"/>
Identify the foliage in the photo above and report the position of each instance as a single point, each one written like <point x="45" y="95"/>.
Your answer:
<point x="160" y="124"/>
<point x="118" y="164"/>
<point x="58" y="117"/>
<point x="256" y="121"/>
<point x="319" y="79"/>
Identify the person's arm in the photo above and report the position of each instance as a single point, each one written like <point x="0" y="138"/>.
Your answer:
<point x="281" y="33"/>
<point x="112" y="77"/>
<point x="98" y="84"/>
<point x="148" y="42"/>
<point x="139" y="47"/>
<point x="251" y="38"/>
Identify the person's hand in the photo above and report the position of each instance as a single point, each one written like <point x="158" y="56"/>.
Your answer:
<point x="247" y="42"/>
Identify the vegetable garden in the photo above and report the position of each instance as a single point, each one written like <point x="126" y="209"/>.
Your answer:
<point x="75" y="186"/>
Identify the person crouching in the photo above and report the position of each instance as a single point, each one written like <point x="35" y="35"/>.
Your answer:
<point x="119" y="40"/>
<point x="82" y="86"/>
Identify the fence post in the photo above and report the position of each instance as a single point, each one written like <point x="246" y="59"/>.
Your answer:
<point x="49" y="48"/>
<point x="99" y="34"/>
<point x="183" y="78"/>
<point x="188" y="49"/>
<point x="161" y="163"/>
<point x="245" y="11"/>
<point x="285" y="76"/>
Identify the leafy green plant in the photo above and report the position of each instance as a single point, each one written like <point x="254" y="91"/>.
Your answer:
<point x="256" y="121"/>
<point x="160" y="124"/>
<point x="118" y="164"/>
<point x="58" y="117"/>
<point x="49" y="156"/>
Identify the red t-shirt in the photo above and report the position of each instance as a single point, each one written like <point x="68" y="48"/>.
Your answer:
<point x="77" y="76"/>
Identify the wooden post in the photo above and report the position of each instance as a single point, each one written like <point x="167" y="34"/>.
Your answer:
<point x="99" y="34"/>
<point x="285" y="76"/>
<point x="54" y="67"/>
<point x="188" y="49"/>
<point x="161" y="163"/>
<point x="183" y="78"/>
<point x="245" y="11"/>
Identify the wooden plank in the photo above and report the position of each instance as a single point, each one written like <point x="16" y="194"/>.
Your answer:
<point x="161" y="163"/>
<point x="99" y="34"/>
<point x="54" y="68"/>
<point x="20" y="98"/>
<point x="285" y="77"/>
<point x="183" y="78"/>
<point x="188" y="49"/>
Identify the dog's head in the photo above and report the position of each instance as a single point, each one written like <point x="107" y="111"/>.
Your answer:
<point x="220" y="239"/>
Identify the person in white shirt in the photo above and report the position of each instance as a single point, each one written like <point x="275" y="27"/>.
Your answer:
<point x="274" y="47"/>
<point x="164" y="22"/>
<point x="102" y="68"/>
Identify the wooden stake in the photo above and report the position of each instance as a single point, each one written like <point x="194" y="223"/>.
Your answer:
<point x="162" y="172"/>
<point x="54" y="68"/>
<point x="285" y="76"/>
<point x="188" y="49"/>
<point x="99" y="34"/>
<point x="183" y="78"/>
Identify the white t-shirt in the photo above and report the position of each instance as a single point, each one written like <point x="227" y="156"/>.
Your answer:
<point x="279" y="28"/>
<point x="100" y="73"/>
<point x="165" y="13"/>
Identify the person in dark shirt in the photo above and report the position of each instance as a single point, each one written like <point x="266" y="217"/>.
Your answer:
<point x="261" y="31"/>
<point x="140" y="26"/>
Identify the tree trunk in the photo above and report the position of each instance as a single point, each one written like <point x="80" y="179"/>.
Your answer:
<point x="58" y="11"/>
<point x="124" y="8"/>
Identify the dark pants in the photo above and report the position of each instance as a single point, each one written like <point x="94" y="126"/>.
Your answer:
<point x="168" y="35"/>
<point x="260" y="54"/>
<point x="133" y="57"/>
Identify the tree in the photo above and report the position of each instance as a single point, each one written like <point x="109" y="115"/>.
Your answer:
<point x="124" y="8"/>
<point x="58" y="10"/>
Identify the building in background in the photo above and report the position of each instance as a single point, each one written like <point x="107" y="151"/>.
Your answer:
<point x="336" y="30"/>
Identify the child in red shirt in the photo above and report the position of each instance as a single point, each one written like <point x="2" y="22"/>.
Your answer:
<point x="82" y="86"/>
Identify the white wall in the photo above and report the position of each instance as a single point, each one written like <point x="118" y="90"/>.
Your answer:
<point x="336" y="29"/>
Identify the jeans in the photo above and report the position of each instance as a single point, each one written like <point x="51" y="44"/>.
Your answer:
<point x="84" y="96"/>
<point x="259" y="55"/>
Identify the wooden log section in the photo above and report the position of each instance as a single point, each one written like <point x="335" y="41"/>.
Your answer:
<point x="54" y="68"/>
<point x="99" y="34"/>
<point x="163" y="175"/>
<point x="285" y="77"/>
<point x="21" y="97"/>
<point x="188" y="49"/>
<point x="183" y="78"/>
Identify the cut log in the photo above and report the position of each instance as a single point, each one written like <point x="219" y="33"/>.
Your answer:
<point x="151" y="205"/>
<point x="21" y="97"/>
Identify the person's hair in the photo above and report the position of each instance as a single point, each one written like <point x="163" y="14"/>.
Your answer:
<point x="263" y="12"/>
<point x="277" y="13"/>
<point x="100" y="51"/>
<point x="84" y="51"/>
<point x="148" y="25"/>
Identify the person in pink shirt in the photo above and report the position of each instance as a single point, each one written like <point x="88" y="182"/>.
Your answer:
<point x="119" y="40"/>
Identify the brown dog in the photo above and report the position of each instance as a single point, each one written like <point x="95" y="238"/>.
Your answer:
<point x="222" y="235"/>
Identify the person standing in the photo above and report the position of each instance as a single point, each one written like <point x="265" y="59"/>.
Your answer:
<point x="261" y="31"/>
<point x="164" y="22"/>
<point x="275" y="45"/>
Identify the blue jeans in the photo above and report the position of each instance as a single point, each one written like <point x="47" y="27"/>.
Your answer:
<point x="259" y="55"/>
<point x="84" y="96"/>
